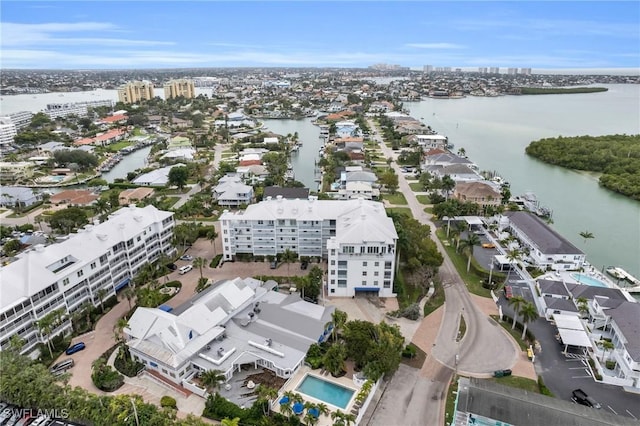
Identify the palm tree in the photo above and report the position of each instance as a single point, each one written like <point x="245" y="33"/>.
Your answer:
<point x="267" y="394"/>
<point x="323" y="410"/>
<point x="348" y="419"/>
<point x="339" y="319"/>
<point x="286" y="409"/>
<point x="586" y="235"/>
<point x="528" y="312"/>
<point x="458" y="230"/>
<point x="230" y="422"/>
<point x="338" y="418"/>
<point x="469" y="243"/>
<point x="45" y="327"/>
<point x="199" y="262"/>
<point x="119" y="327"/>
<point x="101" y="293"/>
<point x="516" y="302"/>
<point x="129" y="293"/>
<point x="583" y="305"/>
<point x="211" y="236"/>
<point x="606" y="346"/>
<point x="288" y="257"/>
<point x="212" y="379"/>
<point x="512" y="256"/>
<point x="309" y="419"/>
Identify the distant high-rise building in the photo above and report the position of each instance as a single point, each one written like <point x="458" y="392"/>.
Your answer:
<point x="525" y="71"/>
<point x="512" y="71"/>
<point x="482" y="70"/>
<point x="181" y="87"/>
<point x="447" y="69"/>
<point x="494" y="70"/>
<point x="21" y="119"/>
<point x="428" y="68"/>
<point x="135" y="91"/>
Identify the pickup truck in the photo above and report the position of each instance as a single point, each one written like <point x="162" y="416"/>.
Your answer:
<point x="579" y="397"/>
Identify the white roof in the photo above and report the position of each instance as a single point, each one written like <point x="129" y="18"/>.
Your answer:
<point x="574" y="337"/>
<point x="155" y="177"/>
<point x="186" y="153"/>
<point x="29" y="274"/>
<point x="570" y="322"/>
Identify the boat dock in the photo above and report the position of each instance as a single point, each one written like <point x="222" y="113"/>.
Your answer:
<point x="620" y="274"/>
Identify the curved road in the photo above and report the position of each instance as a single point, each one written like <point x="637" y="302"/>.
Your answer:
<point x="485" y="346"/>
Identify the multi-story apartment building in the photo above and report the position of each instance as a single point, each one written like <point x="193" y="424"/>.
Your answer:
<point x="7" y="131"/>
<point x="181" y="87"/>
<point x="356" y="237"/>
<point x="135" y="91"/>
<point x="21" y="119"/>
<point x="79" y="109"/>
<point x="99" y="257"/>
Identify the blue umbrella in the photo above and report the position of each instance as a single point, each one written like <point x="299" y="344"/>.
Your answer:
<point x="314" y="412"/>
<point x="284" y="400"/>
<point x="298" y="408"/>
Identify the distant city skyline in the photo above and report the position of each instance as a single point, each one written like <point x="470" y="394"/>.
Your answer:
<point x="551" y="36"/>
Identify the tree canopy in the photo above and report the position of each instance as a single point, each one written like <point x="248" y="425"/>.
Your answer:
<point x="68" y="220"/>
<point x="83" y="159"/>
<point x="617" y="157"/>
<point x="178" y="176"/>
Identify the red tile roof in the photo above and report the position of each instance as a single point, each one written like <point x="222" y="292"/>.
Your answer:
<point x="114" y="118"/>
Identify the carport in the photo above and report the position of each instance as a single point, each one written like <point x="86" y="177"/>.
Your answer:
<point x="571" y="331"/>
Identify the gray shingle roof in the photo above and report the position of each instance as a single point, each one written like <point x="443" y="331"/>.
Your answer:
<point x="552" y="287"/>
<point x="548" y="240"/>
<point x="627" y="318"/>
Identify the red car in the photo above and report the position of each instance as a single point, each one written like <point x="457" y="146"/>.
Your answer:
<point x="507" y="292"/>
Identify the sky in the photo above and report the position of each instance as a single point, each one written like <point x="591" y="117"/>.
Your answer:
<point x="172" y="34"/>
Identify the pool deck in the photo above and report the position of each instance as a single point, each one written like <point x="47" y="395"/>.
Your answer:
<point x="345" y="381"/>
<point x="590" y="272"/>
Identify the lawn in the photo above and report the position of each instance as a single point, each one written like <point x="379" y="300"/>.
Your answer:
<point x="167" y="202"/>
<point x="423" y="199"/>
<point x="115" y="147"/>
<point x="229" y="154"/>
<point x="450" y="405"/>
<point x="473" y="281"/>
<point x="416" y="187"/>
<point x="518" y="382"/>
<point x="404" y="210"/>
<point x="395" y="199"/>
<point x="515" y="332"/>
<point x="435" y="301"/>
<point x="428" y="210"/>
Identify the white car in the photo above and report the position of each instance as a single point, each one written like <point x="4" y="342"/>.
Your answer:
<point x="183" y="270"/>
<point x="186" y="257"/>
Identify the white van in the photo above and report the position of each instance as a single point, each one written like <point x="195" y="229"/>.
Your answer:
<point x="183" y="270"/>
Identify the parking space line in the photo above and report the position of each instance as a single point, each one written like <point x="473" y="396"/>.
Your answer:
<point x="581" y="377"/>
<point x="576" y="368"/>
<point x="631" y="414"/>
<point x="614" y="411"/>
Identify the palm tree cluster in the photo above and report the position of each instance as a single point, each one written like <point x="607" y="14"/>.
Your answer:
<point x="527" y="311"/>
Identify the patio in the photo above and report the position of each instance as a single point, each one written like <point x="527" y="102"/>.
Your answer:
<point x="237" y="391"/>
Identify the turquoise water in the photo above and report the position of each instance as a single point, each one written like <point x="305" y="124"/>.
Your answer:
<point x="331" y="393"/>
<point x="585" y="279"/>
<point x="57" y="178"/>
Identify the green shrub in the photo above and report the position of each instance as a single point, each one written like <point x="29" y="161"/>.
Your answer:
<point x="215" y="261"/>
<point x="125" y="365"/>
<point x="409" y="351"/>
<point x="203" y="283"/>
<point x="611" y="365"/>
<point x="168" y="402"/>
<point x="174" y="283"/>
<point x="104" y="377"/>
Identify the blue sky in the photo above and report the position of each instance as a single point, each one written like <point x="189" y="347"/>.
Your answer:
<point x="170" y="34"/>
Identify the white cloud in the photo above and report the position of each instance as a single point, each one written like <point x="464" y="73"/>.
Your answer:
<point x="435" y="46"/>
<point x="15" y="34"/>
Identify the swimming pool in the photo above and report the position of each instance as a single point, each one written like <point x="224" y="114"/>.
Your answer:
<point x="586" y="279"/>
<point x="320" y="389"/>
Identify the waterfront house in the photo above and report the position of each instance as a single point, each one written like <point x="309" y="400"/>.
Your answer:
<point x="288" y="193"/>
<point x="547" y="250"/>
<point x="10" y="171"/>
<point x="480" y="193"/>
<point x="158" y="177"/>
<point x="457" y="172"/>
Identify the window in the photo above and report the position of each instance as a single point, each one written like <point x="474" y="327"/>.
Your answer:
<point x="65" y="281"/>
<point x="364" y="273"/>
<point x="333" y="282"/>
<point x="364" y="263"/>
<point x="364" y="282"/>
<point x="342" y="283"/>
<point x="387" y="284"/>
<point x="387" y="265"/>
<point x="139" y="238"/>
<point x="261" y="222"/>
<point x="93" y="265"/>
<point x="333" y="290"/>
<point x="333" y="252"/>
<point x="80" y="273"/>
<point x="376" y="264"/>
<point x="333" y="262"/>
<point x="362" y="248"/>
<point x="376" y="273"/>
<point x="375" y="283"/>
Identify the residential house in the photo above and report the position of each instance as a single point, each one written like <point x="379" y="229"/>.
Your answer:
<point x="231" y="192"/>
<point x="158" y="177"/>
<point x="133" y="195"/>
<point x="74" y="197"/>
<point x="11" y="196"/>
<point x="480" y="193"/>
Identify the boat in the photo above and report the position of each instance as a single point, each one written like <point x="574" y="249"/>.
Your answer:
<point x="620" y="274"/>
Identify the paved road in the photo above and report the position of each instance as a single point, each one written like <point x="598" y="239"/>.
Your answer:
<point x="484" y="348"/>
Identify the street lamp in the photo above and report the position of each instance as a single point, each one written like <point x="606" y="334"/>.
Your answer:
<point x="490" y="273"/>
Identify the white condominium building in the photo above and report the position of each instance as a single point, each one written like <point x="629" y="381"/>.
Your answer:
<point x="356" y="236"/>
<point x="7" y="131"/>
<point x="99" y="257"/>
